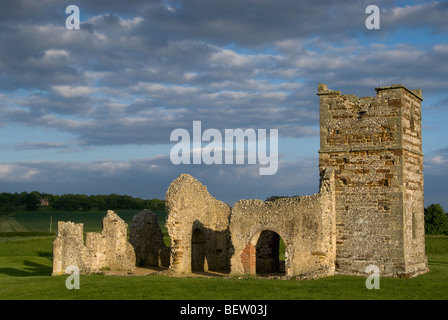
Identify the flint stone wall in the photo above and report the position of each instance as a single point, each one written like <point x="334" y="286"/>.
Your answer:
<point x="147" y="239"/>
<point x="198" y="225"/>
<point x="306" y="224"/>
<point x="106" y="250"/>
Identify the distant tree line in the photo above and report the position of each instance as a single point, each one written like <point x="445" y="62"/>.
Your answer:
<point x="436" y="219"/>
<point x="75" y="202"/>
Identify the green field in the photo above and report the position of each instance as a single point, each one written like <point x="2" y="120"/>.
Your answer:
<point x="39" y="221"/>
<point x="46" y="220"/>
<point x="26" y="265"/>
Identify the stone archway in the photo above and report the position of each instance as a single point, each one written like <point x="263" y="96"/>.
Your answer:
<point x="198" y="251"/>
<point x="267" y="254"/>
<point x="306" y="224"/>
<point x="262" y="254"/>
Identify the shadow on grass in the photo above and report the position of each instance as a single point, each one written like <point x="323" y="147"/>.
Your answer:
<point x="45" y="254"/>
<point x="211" y="274"/>
<point x="31" y="269"/>
<point x="433" y="262"/>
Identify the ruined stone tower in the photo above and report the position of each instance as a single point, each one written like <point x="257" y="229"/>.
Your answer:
<point x="369" y="209"/>
<point x="374" y="145"/>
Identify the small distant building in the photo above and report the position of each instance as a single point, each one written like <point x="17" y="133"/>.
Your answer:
<point x="44" y="203"/>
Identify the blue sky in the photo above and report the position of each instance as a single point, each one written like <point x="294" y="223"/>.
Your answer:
<point x="91" y="110"/>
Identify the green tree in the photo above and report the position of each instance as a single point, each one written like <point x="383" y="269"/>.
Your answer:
<point x="84" y="202"/>
<point x="6" y="207"/>
<point x="98" y="202"/>
<point x="156" y="204"/>
<point x="436" y="220"/>
<point x="31" y="201"/>
<point x="15" y="199"/>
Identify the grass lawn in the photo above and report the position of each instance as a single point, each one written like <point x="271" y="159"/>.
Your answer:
<point x="26" y="265"/>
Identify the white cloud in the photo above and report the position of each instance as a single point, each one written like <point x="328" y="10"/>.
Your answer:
<point x="402" y="12"/>
<point x="51" y="54"/>
<point x="437" y="161"/>
<point x="229" y="58"/>
<point x="67" y="91"/>
<point x="441" y="48"/>
<point x="108" y="167"/>
<point x="17" y="173"/>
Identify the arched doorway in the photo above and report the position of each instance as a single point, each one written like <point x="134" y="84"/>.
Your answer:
<point x="197" y="251"/>
<point x="270" y="253"/>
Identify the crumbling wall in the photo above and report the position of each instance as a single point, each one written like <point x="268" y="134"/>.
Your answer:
<point x="68" y="248"/>
<point x="198" y="226"/>
<point x="106" y="250"/>
<point x="306" y="224"/>
<point x="147" y="239"/>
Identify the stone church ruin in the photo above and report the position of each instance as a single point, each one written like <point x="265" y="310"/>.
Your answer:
<point x="368" y="211"/>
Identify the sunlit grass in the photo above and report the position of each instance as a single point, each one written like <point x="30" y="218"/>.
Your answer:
<point x="26" y="264"/>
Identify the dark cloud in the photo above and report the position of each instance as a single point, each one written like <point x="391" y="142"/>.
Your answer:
<point x="257" y="23"/>
<point x="136" y="70"/>
<point x="40" y="145"/>
<point x="125" y="85"/>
